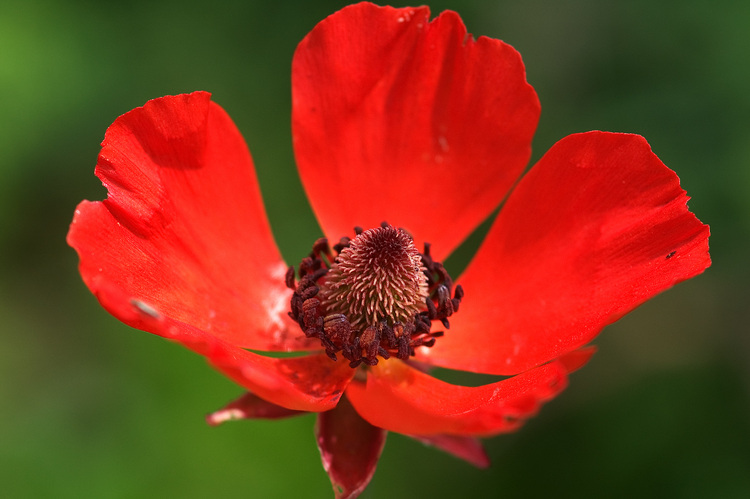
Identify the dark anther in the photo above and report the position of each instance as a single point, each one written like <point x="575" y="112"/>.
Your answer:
<point x="309" y="265"/>
<point x="387" y="334"/>
<point x="422" y="324"/>
<point x="337" y="328"/>
<point x="309" y="293"/>
<point x="358" y="230"/>
<point x="445" y="305"/>
<point x="458" y="294"/>
<point x="403" y="334"/>
<point x="321" y="247"/>
<point x="289" y="278"/>
<point x="343" y="243"/>
<point x="352" y="352"/>
<point x="431" y="310"/>
<point x="403" y="347"/>
<point x="384" y="224"/>
<point x="370" y="341"/>
<point x="310" y="312"/>
<point x="296" y="307"/>
<point x="355" y="353"/>
<point x="444" y="276"/>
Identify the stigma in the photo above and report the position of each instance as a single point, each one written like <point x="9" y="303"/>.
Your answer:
<point x="376" y="297"/>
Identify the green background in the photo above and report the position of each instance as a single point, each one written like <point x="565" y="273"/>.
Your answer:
<point x="92" y="408"/>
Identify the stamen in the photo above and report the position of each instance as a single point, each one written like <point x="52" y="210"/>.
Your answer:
<point x="375" y="299"/>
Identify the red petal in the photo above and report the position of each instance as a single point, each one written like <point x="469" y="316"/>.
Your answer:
<point x="310" y="383"/>
<point x="596" y="228"/>
<point x="576" y="359"/>
<point x="467" y="448"/>
<point x="349" y="447"/>
<point x="249" y="406"/>
<point x="183" y="227"/>
<point x="400" y="398"/>
<point x="414" y="122"/>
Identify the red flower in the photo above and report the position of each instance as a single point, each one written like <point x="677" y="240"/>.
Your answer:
<point x="415" y="122"/>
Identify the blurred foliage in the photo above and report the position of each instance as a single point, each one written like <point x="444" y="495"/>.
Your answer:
<point x="91" y="408"/>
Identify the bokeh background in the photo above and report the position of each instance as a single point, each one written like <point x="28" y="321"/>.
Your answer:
<point x="92" y="408"/>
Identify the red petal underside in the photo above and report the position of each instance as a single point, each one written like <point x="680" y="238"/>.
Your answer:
<point x="414" y="122"/>
<point x="467" y="448"/>
<point x="349" y="447"/>
<point x="183" y="228"/>
<point x="576" y="359"/>
<point x="596" y="228"/>
<point x="309" y="383"/>
<point x="403" y="399"/>
<point x="250" y="406"/>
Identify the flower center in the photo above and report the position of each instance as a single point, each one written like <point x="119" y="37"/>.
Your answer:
<point x="376" y="298"/>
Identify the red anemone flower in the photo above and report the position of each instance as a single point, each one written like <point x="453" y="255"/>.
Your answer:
<point x="401" y="119"/>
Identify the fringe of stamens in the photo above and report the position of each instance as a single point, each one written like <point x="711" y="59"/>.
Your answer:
<point x="336" y="334"/>
<point x="440" y="306"/>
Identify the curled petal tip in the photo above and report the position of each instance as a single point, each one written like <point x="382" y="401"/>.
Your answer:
<point x="250" y="406"/>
